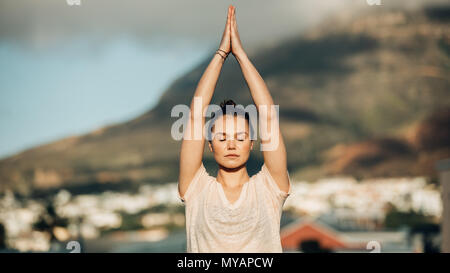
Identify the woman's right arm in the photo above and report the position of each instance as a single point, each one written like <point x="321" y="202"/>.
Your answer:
<point x="193" y="142"/>
<point x="192" y="147"/>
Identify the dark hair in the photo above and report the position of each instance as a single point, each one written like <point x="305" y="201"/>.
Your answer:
<point x="237" y="111"/>
<point x="223" y="107"/>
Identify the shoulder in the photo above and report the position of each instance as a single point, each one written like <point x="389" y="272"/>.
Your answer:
<point x="197" y="184"/>
<point x="264" y="178"/>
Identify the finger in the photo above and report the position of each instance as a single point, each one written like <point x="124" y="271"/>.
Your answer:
<point x="228" y="26"/>
<point x="232" y="17"/>
<point x="228" y="19"/>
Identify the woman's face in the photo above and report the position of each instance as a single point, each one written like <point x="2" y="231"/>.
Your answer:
<point x="231" y="142"/>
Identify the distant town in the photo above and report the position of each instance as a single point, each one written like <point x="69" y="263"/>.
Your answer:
<point x="155" y="212"/>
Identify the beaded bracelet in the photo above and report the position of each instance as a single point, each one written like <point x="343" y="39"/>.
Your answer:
<point x="220" y="55"/>
<point x="226" y="54"/>
<point x="217" y="52"/>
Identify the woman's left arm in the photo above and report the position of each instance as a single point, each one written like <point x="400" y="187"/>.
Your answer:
<point x="275" y="157"/>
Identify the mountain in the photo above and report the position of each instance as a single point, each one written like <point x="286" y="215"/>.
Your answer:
<point x="363" y="94"/>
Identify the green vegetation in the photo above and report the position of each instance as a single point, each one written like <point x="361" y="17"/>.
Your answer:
<point x="395" y="219"/>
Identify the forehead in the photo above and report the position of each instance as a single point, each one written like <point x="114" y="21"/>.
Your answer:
<point x="229" y="123"/>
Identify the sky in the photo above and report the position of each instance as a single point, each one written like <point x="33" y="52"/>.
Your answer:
<point x="47" y="96"/>
<point x="67" y="70"/>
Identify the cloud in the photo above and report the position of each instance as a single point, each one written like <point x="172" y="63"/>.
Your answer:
<point x="46" y="23"/>
<point x="50" y="23"/>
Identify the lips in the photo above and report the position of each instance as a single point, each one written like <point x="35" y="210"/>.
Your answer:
<point x="232" y="155"/>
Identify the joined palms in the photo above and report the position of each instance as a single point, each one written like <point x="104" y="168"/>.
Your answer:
<point x="231" y="42"/>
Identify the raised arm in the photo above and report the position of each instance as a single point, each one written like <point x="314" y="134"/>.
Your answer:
<point x="192" y="147"/>
<point x="275" y="159"/>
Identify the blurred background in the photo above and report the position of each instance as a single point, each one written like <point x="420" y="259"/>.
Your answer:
<point x="87" y="87"/>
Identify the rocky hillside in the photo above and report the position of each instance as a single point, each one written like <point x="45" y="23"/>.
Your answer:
<point x="365" y="95"/>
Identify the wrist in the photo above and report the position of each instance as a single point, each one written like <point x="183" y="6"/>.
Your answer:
<point x="240" y="55"/>
<point x="220" y="55"/>
<point x="224" y="50"/>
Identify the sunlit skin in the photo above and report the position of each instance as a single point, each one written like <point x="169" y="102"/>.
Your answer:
<point x="232" y="174"/>
<point x="231" y="144"/>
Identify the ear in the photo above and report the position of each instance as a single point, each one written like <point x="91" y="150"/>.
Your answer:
<point x="210" y="146"/>
<point x="251" y="145"/>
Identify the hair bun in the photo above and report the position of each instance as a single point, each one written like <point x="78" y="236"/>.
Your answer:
<point x="227" y="102"/>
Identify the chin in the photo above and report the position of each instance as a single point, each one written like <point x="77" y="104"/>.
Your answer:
<point x="231" y="165"/>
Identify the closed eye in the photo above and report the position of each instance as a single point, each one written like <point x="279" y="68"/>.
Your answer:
<point x="220" y="137"/>
<point x="241" y="136"/>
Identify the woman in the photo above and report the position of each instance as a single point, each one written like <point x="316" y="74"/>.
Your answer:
<point x="233" y="212"/>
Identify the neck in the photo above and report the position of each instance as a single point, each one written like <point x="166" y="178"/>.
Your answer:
<point x="232" y="177"/>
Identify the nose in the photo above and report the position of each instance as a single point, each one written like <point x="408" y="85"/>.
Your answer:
<point x="231" y="145"/>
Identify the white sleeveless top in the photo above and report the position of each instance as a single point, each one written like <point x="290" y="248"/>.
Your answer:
<point x="250" y="224"/>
